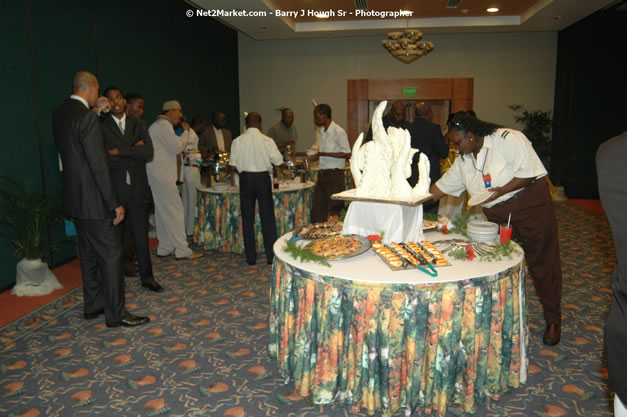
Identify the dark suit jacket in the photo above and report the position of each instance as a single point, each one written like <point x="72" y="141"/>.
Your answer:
<point x="427" y="138"/>
<point x="88" y="191"/>
<point x="612" y="174"/>
<point x="130" y="158"/>
<point x="207" y="141"/>
<point x="386" y="124"/>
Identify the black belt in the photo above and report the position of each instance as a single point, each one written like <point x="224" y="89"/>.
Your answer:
<point x="187" y="164"/>
<point x="255" y="172"/>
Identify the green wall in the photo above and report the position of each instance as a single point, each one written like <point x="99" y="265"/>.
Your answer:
<point x="590" y="93"/>
<point x="145" y="46"/>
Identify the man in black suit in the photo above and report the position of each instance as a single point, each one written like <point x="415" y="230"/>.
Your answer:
<point x="427" y="138"/>
<point x="129" y="147"/>
<point x="612" y="175"/>
<point x="90" y="200"/>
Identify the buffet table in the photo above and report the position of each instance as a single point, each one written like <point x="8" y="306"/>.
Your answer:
<point x="219" y="221"/>
<point x="361" y="335"/>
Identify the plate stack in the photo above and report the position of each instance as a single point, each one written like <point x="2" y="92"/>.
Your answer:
<point x="481" y="231"/>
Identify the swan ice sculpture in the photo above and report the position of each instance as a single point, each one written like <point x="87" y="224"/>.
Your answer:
<point x="380" y="167"/>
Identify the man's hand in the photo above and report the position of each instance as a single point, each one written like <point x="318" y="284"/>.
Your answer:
<point x="119" y="215"/>
<point x="113" y="151"/>
<point x="185" y="126"/>
<point x="102" y="106"/>
<point x="139" y="143"/>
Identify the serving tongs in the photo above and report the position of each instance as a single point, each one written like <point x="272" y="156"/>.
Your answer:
<point x="423" y="261"/>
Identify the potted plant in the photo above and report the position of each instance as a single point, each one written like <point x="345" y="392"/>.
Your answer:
<point x="25" y="219"/>
<point x="537" y="128"/>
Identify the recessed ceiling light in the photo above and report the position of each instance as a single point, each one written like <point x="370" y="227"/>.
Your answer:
<point x="492" y="10"/>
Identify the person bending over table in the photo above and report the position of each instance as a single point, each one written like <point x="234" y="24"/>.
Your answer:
<point x="503" y="161"/>
<point x="253" y="155"/>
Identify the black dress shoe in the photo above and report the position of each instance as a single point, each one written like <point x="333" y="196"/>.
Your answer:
<point x="153" y="286"/>
<point x="129" y="321"/>
<point x="552" y="334"/>
<point x="95" y="314"/>
<point x="130" y="270"/>
<point x="251" y="262"/>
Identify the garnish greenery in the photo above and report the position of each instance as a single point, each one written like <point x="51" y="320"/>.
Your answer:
<point x="461" y="225"/>
<point x="304" y="254"/>
<point x="486" y="253"/>
<point x="430" y="216"/>
<point x="498" y="251"/>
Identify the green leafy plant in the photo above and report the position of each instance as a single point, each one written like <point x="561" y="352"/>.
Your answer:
<point x="537" y="128"/>
<point x="304" y="254"/>
<point x="25" y="219"/>
<point x="461" y="225"/>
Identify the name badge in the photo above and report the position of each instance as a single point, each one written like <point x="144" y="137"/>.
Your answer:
<point x="487" y="180"/>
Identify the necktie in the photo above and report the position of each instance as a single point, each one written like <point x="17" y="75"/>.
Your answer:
<point x="121" y="127"/>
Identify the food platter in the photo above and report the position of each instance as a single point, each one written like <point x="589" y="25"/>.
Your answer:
<point x="338" y="247"/>
<point x="410" y="255"/>
<point x="350" y="195"/>
<point x="319" y="230"/>
<point x="429" y="225"/>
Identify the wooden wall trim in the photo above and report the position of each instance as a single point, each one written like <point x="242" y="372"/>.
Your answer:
<point x="459" y="91"/>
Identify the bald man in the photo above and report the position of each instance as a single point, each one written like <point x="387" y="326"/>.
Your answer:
<point x="396" y="117"/>
<point x="284" y="132"/>
<point x="89" y="199"/>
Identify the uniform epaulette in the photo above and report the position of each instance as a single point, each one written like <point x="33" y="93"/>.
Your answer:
<point x="504" y="134"/>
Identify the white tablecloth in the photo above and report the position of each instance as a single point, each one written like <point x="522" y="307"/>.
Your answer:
<point x="400" y="223"/>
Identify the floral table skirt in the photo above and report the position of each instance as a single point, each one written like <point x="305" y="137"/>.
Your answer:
<point x="386" y="347"/>
<point x="219" y="221"/>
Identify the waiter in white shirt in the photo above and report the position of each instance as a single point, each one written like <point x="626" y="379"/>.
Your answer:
<point x="502" y="164"/>
<point x="252" y="155"/>
<point x="334" y="150"/>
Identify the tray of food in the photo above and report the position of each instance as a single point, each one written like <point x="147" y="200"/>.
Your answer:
<point x="429" y="225"/>
<point x="319" y="230"/>
<point x="337" y="247"/>
<point x="410" y="255"/>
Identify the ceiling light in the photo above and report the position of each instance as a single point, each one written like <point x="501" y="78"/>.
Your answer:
<point x="407" y="45"/>
<point x="492" y="10"/>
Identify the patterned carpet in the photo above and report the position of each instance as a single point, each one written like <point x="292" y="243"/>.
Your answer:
<point x="205" y="351"/>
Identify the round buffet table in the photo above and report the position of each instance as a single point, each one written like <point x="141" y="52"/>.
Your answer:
<point x="364" y="336"/>
<point x="219" y="217"/>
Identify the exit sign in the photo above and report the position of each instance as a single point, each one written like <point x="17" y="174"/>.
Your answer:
<point x="410" y="92"/>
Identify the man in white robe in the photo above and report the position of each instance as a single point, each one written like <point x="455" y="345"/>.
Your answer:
<point x="169" y="214"/>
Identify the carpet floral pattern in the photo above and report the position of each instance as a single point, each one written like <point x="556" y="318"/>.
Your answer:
<point x="205" y="351"/>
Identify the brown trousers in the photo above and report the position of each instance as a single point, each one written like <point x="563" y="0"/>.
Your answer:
<point x="330" y="181"/>
<point x="535" y="226"/>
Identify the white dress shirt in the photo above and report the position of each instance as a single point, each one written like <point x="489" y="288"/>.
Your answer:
<point x="81" y="99"/>
<point x="121" y="122"/>
<point x="254" y="152"/>
<point x="505" y="154"/>
<point x="333" y="139"/>
<point x="219" y="138"/>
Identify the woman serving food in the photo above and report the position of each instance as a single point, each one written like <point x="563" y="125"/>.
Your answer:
<point x="503" y="173"/>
